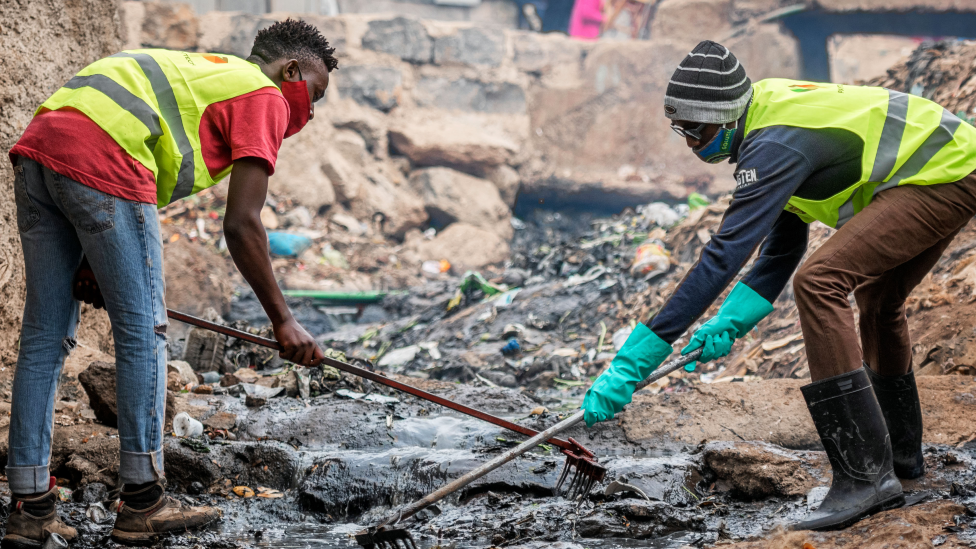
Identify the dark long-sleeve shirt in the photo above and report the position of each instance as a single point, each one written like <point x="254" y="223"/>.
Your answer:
<point x="772" y="165"/>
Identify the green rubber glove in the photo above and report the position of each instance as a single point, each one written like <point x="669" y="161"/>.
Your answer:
<point x="739" y="313"/>
<point x="641" y="354"/>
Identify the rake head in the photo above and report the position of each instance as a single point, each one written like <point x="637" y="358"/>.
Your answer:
<point x="587" y="471"/>
<point x="383" y="538"/>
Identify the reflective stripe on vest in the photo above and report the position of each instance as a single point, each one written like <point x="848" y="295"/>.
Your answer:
<point x="907" y="140"/>
<point x="151" y="102"/>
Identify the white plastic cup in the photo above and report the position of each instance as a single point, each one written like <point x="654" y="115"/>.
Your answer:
<point x="186" y="426"/>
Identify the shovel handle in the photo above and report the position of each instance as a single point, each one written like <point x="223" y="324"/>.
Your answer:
<point x="509" y="455"/>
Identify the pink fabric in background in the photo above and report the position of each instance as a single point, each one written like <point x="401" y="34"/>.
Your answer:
<point x="586" y="19"/>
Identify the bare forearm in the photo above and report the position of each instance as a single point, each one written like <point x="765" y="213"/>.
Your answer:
<point x="248" y="245"/>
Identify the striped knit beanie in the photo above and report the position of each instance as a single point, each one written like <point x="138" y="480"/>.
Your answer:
<point x="709" y="86"/>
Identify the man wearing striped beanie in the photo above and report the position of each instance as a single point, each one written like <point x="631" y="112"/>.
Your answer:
<point x="893" y="173"/>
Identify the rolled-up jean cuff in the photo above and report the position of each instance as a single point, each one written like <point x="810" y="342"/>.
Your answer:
<point x="140" y="467"/>
<point x="29" y="480"/>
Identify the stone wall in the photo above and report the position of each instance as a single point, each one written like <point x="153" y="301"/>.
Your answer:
<point x="544" y="113"/>
<point x="42" y="44"/>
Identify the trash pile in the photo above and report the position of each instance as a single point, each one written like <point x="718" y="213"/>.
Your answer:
<point x="567" y="300"/>
<point x="309" y="250"/>
<point x="941" y="71"/>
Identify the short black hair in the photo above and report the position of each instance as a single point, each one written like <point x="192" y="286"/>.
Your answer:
<point x="294" y="38"/>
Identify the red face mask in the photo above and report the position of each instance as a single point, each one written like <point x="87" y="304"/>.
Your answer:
<point x="296" y="94"/>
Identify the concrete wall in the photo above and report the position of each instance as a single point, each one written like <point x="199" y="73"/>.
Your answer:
<point x="42" y="44"/>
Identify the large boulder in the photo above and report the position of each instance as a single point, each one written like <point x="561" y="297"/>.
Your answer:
<point x="299" y="172"/>
<point x="450" y="196"/>
<point x="507" y="181"/>
<point x="471" y="46"/>
<point x="466" y="94"/>
<point x="98" y="380"/>
<point x="369" y="124"/>
<point x="465" y="246"/>
<point x="371" y="85"/>
<point x="435" y="139"/>
<point x="403" y="37"/>
<point x="171" y="26"/>
<point x="387" y="197"/>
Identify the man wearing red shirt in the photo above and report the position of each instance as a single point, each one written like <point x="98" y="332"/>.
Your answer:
<point x="130" y="133"/>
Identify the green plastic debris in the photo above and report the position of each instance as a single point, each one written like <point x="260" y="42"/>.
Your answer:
<point x="335" y="355"/>
<point x="696" y="201"/>
<point x="340" y="297"/>
<point x="196" y="445"/>
<point x="474" y="280"/>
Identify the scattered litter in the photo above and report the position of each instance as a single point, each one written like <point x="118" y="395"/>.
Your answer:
<point x="539" y="410"/>
<point x="197" y="445"/>
<point x="511" y="348"/>
<point x="651" y="260"/>
<point x="288" y="244"/>
<point x="269" y="493"/>
<point x="186" y="426"/>
<point x="243" y="492"/>
<point x="97" y="513"/>
<point x="64" y="494"/>
<point x="399" y="357"/>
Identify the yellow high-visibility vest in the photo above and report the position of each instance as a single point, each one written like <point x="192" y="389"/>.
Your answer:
<point x="151" y="102"/>
<point x="908" y="140"/>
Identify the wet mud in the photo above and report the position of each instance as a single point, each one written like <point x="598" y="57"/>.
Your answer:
<point x="341" y="464"/>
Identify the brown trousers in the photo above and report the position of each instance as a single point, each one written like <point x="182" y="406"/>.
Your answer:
<point x="881" y="254"/>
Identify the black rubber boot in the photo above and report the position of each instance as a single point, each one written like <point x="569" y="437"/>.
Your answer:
<point x="898" y="398"/>
<point x="852" y="429"/>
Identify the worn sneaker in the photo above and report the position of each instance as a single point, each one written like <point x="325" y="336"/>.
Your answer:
<point x="33" y="519"/>
<point x="146" y="514"/>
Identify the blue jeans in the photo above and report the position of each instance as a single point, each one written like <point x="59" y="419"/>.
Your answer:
<point x="59" y="221"/>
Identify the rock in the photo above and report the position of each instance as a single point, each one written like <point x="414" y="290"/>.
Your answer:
<point x="455" y="243"/>
<point x="229" y="380"/>
<point x="366" y="122"/>
<point x="174" y="382"/>
<point x="172" y="26"/>
<point x="689" y="21"/>
<point x="246" y="375"/>
<point x="182" y="369"/>
<point x="298" y="172"/>
<point x="91" y="475"/>
<point x="466" y="94"/>
<point x="98" y="380"/>
<point x="429" y="139"/>
<point x="507" y="181"/>
<point x="403" y="37"/>
<point x="756" y="470"/>
<point x="230" y="32"/>
<point x="471" y="46"/>
<point x="298" y="217"/>
<point x="769" y="51"/>
<point x="221" y="420"/>
<point x="398" y="206"/>
<point x="529" y="53"/>
<point x="370" y="85"/>
<point x="252" y="401"/>
<point x="269" y="218"/>
<point x="351" y="145"/>
<point x="345" y="179"/>
<point x="271" y="382"/>
<point x="203" y="390"/>
<point x="451" y="196"/>
<point x="499" y="378"/>
<point x="93" y="492"/>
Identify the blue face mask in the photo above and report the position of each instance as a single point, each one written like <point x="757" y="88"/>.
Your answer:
<point x="719" y="148"/>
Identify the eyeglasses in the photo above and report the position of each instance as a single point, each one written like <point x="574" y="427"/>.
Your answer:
<point x="694" y="133"/>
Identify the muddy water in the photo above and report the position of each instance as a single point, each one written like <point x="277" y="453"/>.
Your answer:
<point x="345" y="463"/>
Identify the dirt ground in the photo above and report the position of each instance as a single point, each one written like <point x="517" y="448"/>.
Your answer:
<point x="774" y="411"/>
<point x="909" y="528"/>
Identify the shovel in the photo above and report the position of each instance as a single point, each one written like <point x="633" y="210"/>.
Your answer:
<point x="382" y="536"/>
